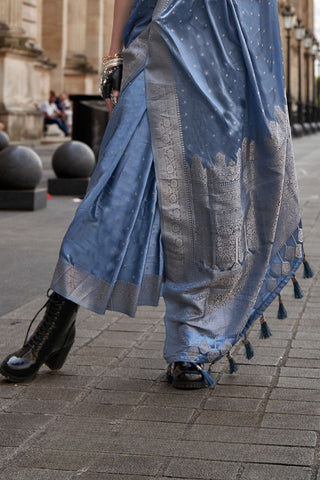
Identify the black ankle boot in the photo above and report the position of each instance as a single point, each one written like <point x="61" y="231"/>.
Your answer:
<point x="186" y="375"/>
<point x="50" y="343"/>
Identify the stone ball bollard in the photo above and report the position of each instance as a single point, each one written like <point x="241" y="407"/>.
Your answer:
<point x="73" y="160"/>
<point x="4" y="140"/>
<point x="20" y="168"/>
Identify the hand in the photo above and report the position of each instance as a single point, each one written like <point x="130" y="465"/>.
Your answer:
<point x="110" y="86"/>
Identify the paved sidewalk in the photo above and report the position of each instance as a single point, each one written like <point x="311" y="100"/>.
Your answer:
<point x="109" y="413"/>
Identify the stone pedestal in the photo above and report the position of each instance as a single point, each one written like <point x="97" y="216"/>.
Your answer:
<point x="23" y="199"/>
<point x="75" y="187"/>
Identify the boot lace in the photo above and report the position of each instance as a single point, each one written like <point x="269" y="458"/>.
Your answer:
<point x="53" y="308"/>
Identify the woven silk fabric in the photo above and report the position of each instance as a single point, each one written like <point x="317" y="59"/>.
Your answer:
<point x="195" y="195"/>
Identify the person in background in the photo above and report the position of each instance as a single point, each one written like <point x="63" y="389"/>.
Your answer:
<point x="66" y="108"/>
<point x="52" y="114"/>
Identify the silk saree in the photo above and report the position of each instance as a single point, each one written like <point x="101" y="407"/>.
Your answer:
<point x="194" y="196"/>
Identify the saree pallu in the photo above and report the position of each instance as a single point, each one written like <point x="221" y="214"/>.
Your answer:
<point x="194" y="196"/>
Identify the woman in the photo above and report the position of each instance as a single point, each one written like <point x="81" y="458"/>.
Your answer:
<point x="194" y="196"/>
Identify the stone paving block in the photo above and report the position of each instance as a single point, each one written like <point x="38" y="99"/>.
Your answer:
<point x="87" y="409"/>
<point x="99" y="352"/>
<point x="306" y="344"/>
<point x="124" y="384"/>
<point x="55" y="459"/>
<point x="151" y="345"/>
<point x="146" y="353"/>
<point x="115" y="339"/>
<point x="114" y="476"/>
<point x="228" y="418"/>
<point x="26" y="405"/>
<point x="87" y="332"/>
<point x="82" y="370"/>
<point x="113" y="398"/>
<point x="311" y="353"/>
<point x="239" y="391"/>
<point x="13" y="473"/>
<point x="176" y="415"/>
<point x="190" y="400"/>
<point x="294" y="421"/>
<point x="130" y="373"/>
<point x="298" y="362"/>
<point x="275" y="472"/>
<point x="251" y="380"/>
<point x="297" y="394"/>
<point x="37" y="392"/>
<point x="60" y="380"/>
<point x="152" y="363"/>
<point x="260" y="370"/>
<point x="302" y="408"/>
<point x="263" y="360"/>
<point x="263" y="350"/>
<point x="232" y="404"/>
<point x="251" y="435"/>
<point x="91" y="425"/>
<point x="305" y="335"/>
<point x="26" y="311"/>
<point x="128" y="326"/>
<point x="29" y="421"/>
<point x="13" y="437"/>
<point x="75" y="360"/>
<point x="152" y="429"/>
<point x="201" y="469"/>
<point x="295" y="382"/>
<point x="79" y="442"/>
<point x="127" y="464"/>
<point x="300" y="372"/>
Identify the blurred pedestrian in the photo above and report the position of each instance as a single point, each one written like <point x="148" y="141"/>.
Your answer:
<point x="52" y="114"/>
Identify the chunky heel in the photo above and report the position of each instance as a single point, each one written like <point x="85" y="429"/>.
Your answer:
<point x="57" y="359"/>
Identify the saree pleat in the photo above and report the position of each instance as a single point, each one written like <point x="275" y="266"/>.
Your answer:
<point x="195" y="193"/>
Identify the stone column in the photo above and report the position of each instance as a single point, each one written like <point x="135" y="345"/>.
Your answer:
<point x="55" y="38"/>
<point x="78" y="71"/>
<point x="94" y="28"/>
<point x="11" y="16"/>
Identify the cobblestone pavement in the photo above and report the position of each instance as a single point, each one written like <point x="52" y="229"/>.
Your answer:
<point x="109" y="413"/>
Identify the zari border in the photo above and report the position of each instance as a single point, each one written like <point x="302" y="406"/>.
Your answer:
<point x="97" y="295"/>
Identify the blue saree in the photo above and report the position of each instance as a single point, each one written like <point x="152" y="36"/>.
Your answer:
<point x="194" y="196"/>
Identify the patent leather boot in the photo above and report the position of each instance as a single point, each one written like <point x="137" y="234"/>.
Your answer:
<point x="49" y="344"/>
<point x="186" y="375"/>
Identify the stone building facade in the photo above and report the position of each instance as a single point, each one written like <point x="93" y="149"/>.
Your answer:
<point x="58" y="44"/>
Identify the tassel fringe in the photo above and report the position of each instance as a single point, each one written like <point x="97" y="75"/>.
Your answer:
<point x="249" y="349"/>
<point x="265" y="331"/>
<point x="307" y="270"/>
<point x="233" y="367"/>
<point x="282" y="312"/>
<point x="298" y="293"/>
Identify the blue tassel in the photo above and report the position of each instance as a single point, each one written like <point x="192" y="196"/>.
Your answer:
<point x="282" y="312"/>
<point x="307" y="270"/>
<point x="209" y="381"/>
<point x="265" y="331"/>
<point x="298" y="293"/>
<point x="233" y="367"/>
<point x="169" y="373"/>
<point x="249" y="349"/>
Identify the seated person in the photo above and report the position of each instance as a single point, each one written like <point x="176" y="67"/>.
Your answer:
<point x="66" y="108"/>
<point x="52" y="114"/>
